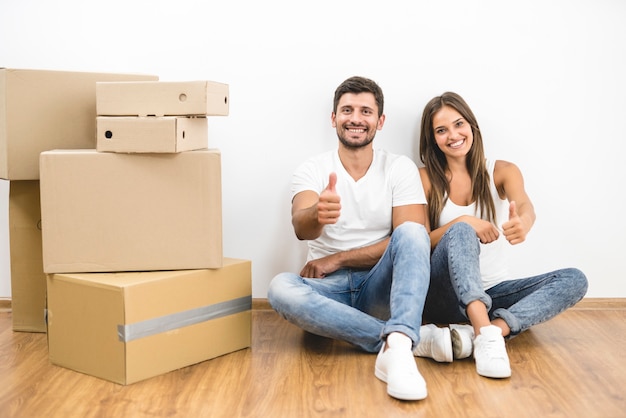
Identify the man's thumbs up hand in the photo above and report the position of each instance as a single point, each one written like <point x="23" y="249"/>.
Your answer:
<point x="329" y="204"/>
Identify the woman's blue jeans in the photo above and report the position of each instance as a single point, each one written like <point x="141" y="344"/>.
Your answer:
<point x="362" y="306"/>
<point x="455" y="282"/>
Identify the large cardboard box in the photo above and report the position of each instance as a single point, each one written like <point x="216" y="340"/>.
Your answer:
<point x="130" y="326"/>
<point x="43" y="110"/>
<point x="28" y="281"/>
<point x="162" y="98"/>
<point x="151" y="134"/>
<point x="105" y="211"/>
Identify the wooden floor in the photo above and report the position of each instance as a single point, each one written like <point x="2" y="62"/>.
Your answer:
<point x="572" y="366"/>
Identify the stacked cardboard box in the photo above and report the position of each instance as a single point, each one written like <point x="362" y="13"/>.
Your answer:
<point x="129" y="326"/>
<point x="39" y="110"/>
<point x="132" y="238"/>
<point x="157" y="116"/>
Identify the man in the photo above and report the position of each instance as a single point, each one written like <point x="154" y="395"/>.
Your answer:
<point x="362" y="211"/>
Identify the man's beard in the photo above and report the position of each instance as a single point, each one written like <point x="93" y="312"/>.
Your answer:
<point x="351" y="145"/>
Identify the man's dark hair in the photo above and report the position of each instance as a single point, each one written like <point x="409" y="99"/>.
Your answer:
<point x="360" y="85"/>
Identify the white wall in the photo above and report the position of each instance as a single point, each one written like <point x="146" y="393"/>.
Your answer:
<point x="545" y="79"/>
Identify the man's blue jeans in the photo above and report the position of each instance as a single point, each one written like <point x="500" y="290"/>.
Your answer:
<point x="363" y="306"/>
<point x="455" y="282"/>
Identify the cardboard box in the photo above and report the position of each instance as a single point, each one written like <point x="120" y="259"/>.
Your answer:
<point x="43" y="110"/>
<point x="160" y="98"/>
<point x="151" y="134"/>
<point x="28" y="281"/>
<point x="105" y="211"/>
<point x="127" y="327"/>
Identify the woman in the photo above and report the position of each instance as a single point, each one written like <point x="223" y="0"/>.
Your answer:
<point x="476" y="208"/>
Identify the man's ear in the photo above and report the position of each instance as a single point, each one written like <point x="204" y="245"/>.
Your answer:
<point x="381" y="122"/>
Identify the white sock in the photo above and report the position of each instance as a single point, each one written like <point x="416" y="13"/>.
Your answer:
<point x="399" y="340"/>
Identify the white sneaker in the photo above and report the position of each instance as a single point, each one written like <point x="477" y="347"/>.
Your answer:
<point x="462" y="336"/>
<point x="395" y="365"/>
<point x="435" y="343"/>
<point x="490" y="353"/>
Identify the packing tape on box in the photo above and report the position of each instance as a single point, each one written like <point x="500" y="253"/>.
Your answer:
<point x="177" y="320"/>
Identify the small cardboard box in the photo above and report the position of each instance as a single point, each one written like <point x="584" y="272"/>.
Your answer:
<point x="130" y="326"/>
<point x="151" y="134"/>
<point x="104" y="211"/>
<point x="161" y="98"/>
<point x="43" y="110"/>
<point x="28" y="281"/>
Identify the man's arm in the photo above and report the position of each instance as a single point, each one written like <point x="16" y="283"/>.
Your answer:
<point x="310" y="212"/>
<point x="367" y="257"/>
<point x="408" y="213"/>
<point x="363" y="257"/>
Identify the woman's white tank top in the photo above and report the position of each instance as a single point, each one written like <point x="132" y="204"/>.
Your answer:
<point x="493" y="256"/>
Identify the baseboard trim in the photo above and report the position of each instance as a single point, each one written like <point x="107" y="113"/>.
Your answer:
<point x="5" y="305"/>
<point x="610" y="304"/>
<point x="262" y="304"/>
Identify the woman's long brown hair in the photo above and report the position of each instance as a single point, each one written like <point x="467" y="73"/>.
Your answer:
<point x="436" y="164"/>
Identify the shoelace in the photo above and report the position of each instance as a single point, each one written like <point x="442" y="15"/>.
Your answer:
<point x="493" y="348"/>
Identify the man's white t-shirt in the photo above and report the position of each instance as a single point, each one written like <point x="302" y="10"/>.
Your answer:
<point x="366" y="205"/>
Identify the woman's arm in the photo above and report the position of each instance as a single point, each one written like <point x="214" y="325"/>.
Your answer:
<point x="486" y="232"/>
<point x="510" y="184"/>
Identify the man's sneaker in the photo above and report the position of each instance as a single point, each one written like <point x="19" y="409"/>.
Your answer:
<point x="462" y="336"/>
<point x="395" y="365"/>
<point x="435" y="343"/>
<point x="490" y="353"/>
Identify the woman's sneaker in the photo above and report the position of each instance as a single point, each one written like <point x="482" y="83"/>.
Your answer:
<point x="490" y="353"/>
<point x="435" y="343"/>
<point x="462" y="336"/>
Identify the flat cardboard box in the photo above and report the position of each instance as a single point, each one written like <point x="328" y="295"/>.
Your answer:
<point x="162" y="98"/>
<point x="151" y="134"/>
<point x="130" y="326"/>
<point x="28" y="281"/>
<point x="42" y="110"/>
<point x="104" y="211"/>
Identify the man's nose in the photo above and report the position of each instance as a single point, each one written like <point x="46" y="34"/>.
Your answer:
<point x="356" y="118"/>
